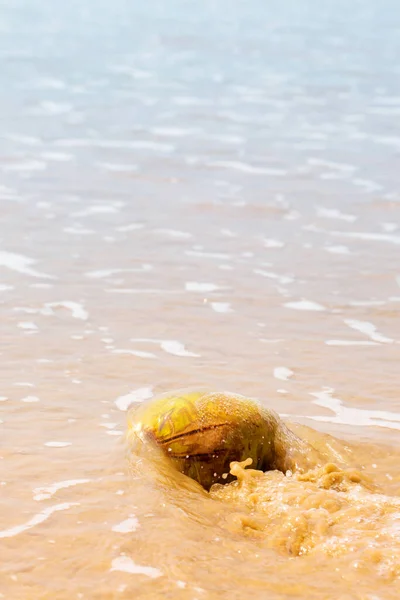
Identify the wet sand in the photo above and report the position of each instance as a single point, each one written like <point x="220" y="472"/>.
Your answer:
<point x="198" y="196"/>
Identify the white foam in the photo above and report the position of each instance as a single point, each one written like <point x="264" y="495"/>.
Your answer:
<point x="30" y="399"/>
<point x="292" y="215"/>
<point x="138" y="353"/>
<point x="27" y="310"/>
<point x="57" y="156"/>
<point x="367" y="184"/>
<point x="56" y="108"/>
<point x="161" y="292"/>
<point x="109" y="272"/>
<point x="283" y="373"/>
<point x="20" y="264"/>
<point x="97" y="210"/>
<point x="171" y="346"/>
<point x="271" y="243"/>
<point x="305" y="305"/>
<point x="333" y="213"/>
<point x="117" y="144"/>
<point x="337" y="249"/>
<point x="28" y="325"/>
<point x="367" y="303"/>
<point x="221" y="307"/>
<point x="130" y="227"/>
<point x="368" y="329"/>
<point x="246" y="168"/>
<point x="201" y="254"/>
<point x="45" y="492"/>
<point x="117" y="167"/>
<point x="129" y="70"/>
<point x="174" y="131"/>
<point x="319" y="162"/>
<point x="77" y="310"/>
<point x="79" y="230"/>
<point x="6" y="288"/>
<point x="353" y="416"/>
<point x="349" y="343"/>
<point x="3" y="398"/>
<point x="282" y="279"/>
<point x="50" y="82"/>
<point x="126" y="564"/>
<point x="228" y="233"/>
<point x="389" y="227"/>
<point x="25" y="165"/>
<point x="374" y="237"/>
<point x="176" y="348"/>
<point x="144" y="393"/>
<point x="174" y="233"/>
<point x="57" y="444"/>
<point x="42" y="286"/>
<point x="128" y="526"/>
<point x="194" y="286"/>
<point x="36" y="520"/>
<point x="26" y="140"/>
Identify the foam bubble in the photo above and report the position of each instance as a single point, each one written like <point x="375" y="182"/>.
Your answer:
<point x="368" y="329"/>
<point x="283" y="373"/>
<point x="337" y="249"/>
<point x="126" y="564"/>
<point x="333" y="213"/>
<point x="57" y="444"/>
<point x="352" y="416"/>
<point x="97" y="210"/>
<point x="272" y="243"/>
<point x="305" y="305"/>
<point x="138" y="395"/>
<point x="350" y="343"/>
<point x="221" y="307"/>
<point x="36" y="519"/>
<point x="176" y="348"/>
<point x="25" y="165"/>
<point x="282" y="279"/>
<point x="77" y="310"/>
<point x="21" y="264"/>
<point x="79" y="230"/>
<point x="27" y="325"/>
<point x="365" y="236"/>
<point x="202" y="254"/>
<point x="138" y="353"/>
<point x="246" y="168"/>
<point x="194" y="286"/>
<point x="102" y="273"/>
<point x="171" y="346"/>
<point x="130" y="227"/>
<point x="173" y="233"/>
<point x="46" y="492"/>
<point x="128" y="526"/>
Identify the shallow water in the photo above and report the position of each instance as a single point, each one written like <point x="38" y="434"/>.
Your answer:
<point x="197" y="195"/>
